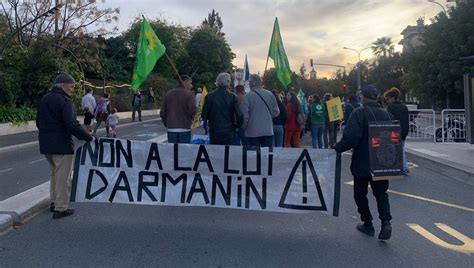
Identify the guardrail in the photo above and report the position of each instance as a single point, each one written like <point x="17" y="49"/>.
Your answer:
<point x="422" y="124"/>
<point x="453" y="126"/>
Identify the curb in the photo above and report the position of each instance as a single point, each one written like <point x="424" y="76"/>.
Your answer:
<point x="30" y="126"/>
<point x="447" y="168"/>
<point x="6" y="223"/>
<point x="25" y="205"/>
<point x="28" y="144"/>
<point x="18" y="209"/>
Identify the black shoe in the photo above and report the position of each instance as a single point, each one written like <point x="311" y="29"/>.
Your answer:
<point x="51" y="207"/>
<point x="386" y="231"/>
<point x="62" y="214"/>
<point x="366" y="229"/>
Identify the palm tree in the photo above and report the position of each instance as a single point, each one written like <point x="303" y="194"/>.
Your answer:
<point x="383" y="47"/>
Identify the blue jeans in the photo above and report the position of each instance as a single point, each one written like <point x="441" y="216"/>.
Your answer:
<point x="264" y="141"/>
<point x="405" y="162"/>
<point x="278" y="135"/>
<point x="317" y="135"/>
<point x="179" y="137"/>
<point x="240" y="137"/>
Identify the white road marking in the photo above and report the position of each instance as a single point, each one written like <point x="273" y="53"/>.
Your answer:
<point x="160" y="139"/>
<point x="424" y="199"/>
<point x="429" y="152"/>
<point x="36" y="161"/>
<point x="5" y="170"/>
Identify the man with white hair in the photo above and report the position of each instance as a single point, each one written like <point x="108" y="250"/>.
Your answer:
<point x="260" y="107"/>
<point x="57" y="123"/>
<point x="222" y="110"/>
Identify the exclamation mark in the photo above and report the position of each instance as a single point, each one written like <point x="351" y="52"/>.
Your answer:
<point x="305" y="184"/>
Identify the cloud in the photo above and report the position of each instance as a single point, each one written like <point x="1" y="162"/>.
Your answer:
<point x="309" y="28"/>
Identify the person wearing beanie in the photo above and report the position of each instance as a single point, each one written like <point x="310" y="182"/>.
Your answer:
<point x="177" y="111"/>
<point x="356" y="137"/>
<point x="57" y="123"/>
<point x="221" y="108"/>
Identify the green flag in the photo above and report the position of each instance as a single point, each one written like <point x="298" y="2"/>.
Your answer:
<point x="277" y="53"/>
<point x="149" y="50"/>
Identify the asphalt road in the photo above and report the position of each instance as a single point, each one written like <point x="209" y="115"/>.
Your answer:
<point x="112" y="235"/>
<point x="25" y="168"/>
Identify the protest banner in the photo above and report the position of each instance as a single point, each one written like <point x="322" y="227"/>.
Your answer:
<point x="335" y="111"/>
<point x="385" y="150"/>
<point x="252" y="178"/>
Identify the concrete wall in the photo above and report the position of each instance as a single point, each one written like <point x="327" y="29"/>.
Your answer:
<point x="9" y="128"/>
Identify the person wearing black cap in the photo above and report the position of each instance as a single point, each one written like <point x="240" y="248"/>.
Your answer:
<point x="178" y="110"/>
<point x="56" y="121"/>
<point x="356" y="137"/>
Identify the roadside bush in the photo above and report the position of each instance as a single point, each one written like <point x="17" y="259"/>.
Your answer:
<point x="16" y="115"/>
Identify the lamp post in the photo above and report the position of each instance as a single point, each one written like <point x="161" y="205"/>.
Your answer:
<point x="434" y="2"/>
<point x="358" y="63"/>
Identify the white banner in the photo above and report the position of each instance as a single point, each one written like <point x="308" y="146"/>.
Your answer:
<point x="265" y="179"/>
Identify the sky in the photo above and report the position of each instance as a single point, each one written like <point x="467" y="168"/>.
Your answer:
<point x="311" y="29"/>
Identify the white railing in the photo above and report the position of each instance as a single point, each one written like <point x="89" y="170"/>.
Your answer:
<point x="422" y="124"/>
<point x="453" y="126"/>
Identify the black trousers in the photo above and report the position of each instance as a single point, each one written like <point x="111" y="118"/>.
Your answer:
<point x="139" y="110"/>
<point x="379" y="189"/>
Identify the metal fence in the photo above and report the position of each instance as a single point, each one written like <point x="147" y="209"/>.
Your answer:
<point x="453" y="126"/>
<point x="422" y="124"/>
<point x="426" y="125"/>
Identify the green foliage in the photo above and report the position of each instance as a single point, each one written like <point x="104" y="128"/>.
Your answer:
<point x="209" y="54"/>
<point x="383" y="47"/>
<point x="16" y="115"/>
<point x="214" y="21"/>
<point x="27" y="71"/>
<point x="386" y="73"/>
<point x="433" y="71"/>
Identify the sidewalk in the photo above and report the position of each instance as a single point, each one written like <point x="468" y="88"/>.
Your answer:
<point x="30" y="126"/>
<point x="19" y="140"/>
<point x="454" y="160"/>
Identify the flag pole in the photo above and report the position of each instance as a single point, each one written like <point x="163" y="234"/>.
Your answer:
<point x="266" y="66"/>
<point x="174" y="68"/>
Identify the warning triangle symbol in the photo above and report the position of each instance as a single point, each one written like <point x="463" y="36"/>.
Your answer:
<point x="302" y="190"/>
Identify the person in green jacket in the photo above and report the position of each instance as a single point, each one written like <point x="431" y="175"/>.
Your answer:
<point x="318" y="119"/>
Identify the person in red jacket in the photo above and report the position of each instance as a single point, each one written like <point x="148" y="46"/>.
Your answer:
<point x="292" y="128"/>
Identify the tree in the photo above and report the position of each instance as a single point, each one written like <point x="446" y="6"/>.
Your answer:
<point x="174" y="38"/>
<point x="73" y="18"/>
<point x="383" y="47"/>
<point x="214" y="21"/>
<point x="209" y="54"/>
<point x="303" y="72"/>
<point x="433" y="71"/>
<point x="387" y="73"/>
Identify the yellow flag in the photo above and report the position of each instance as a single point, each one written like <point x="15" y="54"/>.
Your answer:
<point x="197" y="118"/>
<point x="335" y="111"/>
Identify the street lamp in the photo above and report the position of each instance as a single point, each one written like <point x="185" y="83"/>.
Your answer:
<point x="434" y="2"/>
<point x="358" y="63"/>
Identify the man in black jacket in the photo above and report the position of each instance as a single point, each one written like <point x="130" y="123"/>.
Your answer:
<point x="399" y="112"/>
<point x="356" y="136"/>
<point x="222" y="110"/>
<point x="56" y="122"/>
